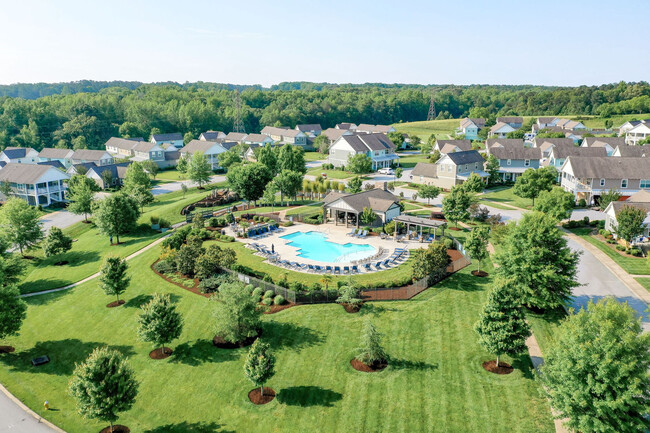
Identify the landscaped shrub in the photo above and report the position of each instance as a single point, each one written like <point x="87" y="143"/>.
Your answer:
<point x="164" y="267"/>
<point x="267" y="301"/>
<point x="449" y="243"/>
<point x="582" y="202"/>
<point x="315" y="287"/>
<point x="154" y="219"/>
<point x="249" y="288"/>
<point x="297" y="286"/>
<point x="226" y="238"/>
<point x="176" y="240"/>
<point x="269" y="294"/>
<point x="620" y="247"/>
<point x="600" y="223"/>
<point x="267" y="278"/>
<point x="585" y="220"/>
<point x="604" y="233"/>
<point x="635" y="252"/>
<point x="257" y="292"/>
<point x="164" y="224"/>
<point x="210" y="284"/>
<point x="279" y="300"/>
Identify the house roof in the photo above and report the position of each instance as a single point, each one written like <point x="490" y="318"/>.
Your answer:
<point x="256" y="138"/>
<point x="366" y="127"/>
<point x="602" y="141"/>
<point x="235" y="136"/>
<point x="309" y="127"/>
<point x="121" y="143"/>
<point x="228" y="144"/>
<point x="510" y="119"/>
<point x="16" y="152"/>
<point x="462" y="144"/>
<point x="514" y="152"/>
<point x="638" y="151"/>
<point x="545" y="143"/>
<point x="346" y="126"/>
<point x="563" y="152"/>
<point x="642" y="196"/>
<point x="333" y="134"/>
<point x="172" y="136"/>
<point x="607" y="167"/>
<point x="425" y="169"/>
<point x="199" y="146"/>
<point x="620" y="205"/>
<point x="85" y="165"/>
<point x="365" y="142"/>
<point x="546" y="120"/>
<point x="377" y="199"/>
<point x="212" y="135"/>
<point x="466" y="157"/>
<point x="642" y="126"/>
<point x="503" y="142"/>
<point x="500" y="125"/>
<point x="118" y="171"/>
<point x="27" y="173"/>
<point x="55" y="164"/>
<point x="477" y="121"/>
<point x="50" y="152"/>
<point x="89" y="154"/>
<point x="144" y="146"/>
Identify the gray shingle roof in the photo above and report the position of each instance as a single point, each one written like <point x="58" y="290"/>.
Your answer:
<point x="309" y="127"/>
<point x="466" y="157"/>
<point x="346" y="126"/>
<point x="510" y="119"/>
<point x="601" y="141"/>
<point x="425" y="169"/>
<point x="198" y="146"/>
<point x="26" y="173"/>
<point x="512" y="152"/>
<point x="562" y="152"/>
<point x="504" y="142"/>
<point x="55" y="164"/>
<point x="16" y="152"/>
<point x="118" y="171"/>
<point x="256" y="138"/>
<point x="49" y="152"/>
<point x="173" y="136"/>
<point x="638" y="151"/>
<point x="121" y="143"/>
<point x="462" y="144"/>
<point x="212" y="135"/>
<point x="365" y="142"/>
<point x="88" y="154"/>
<point x="377" y="199"/>
<point x="609" y="168"/>
<point x="235" y="136"/>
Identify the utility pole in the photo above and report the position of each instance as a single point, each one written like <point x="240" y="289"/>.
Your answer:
<point x="432" y="110"/>
<point x="238" y="124"/>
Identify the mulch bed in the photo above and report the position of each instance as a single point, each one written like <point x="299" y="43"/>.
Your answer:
<point x="480" y="273"/>
<point x="159" y="354"/>
<point x="61" y="263"/>
<point x="117" y="428"/>
<point x="503" y="368"/>
<point x="456" y="229"/>
<point x="352" y="308"/>
<point x="115" y="303"/>
<point x="223" y="344"/>
<point x="256" y="397"/>
<point x="454" y="255"/>
<point x="360" y="366"/>
<point x="195" y="289"/>
<point x="613" y="247"/>
<point x="277" y="308"/>
<point x="28" y="257"/>
<point x="7" y="349"/>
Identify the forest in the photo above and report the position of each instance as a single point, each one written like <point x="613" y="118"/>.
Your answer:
<point x="86" y="113"/>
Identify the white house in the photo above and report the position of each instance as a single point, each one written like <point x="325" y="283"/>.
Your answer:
<point x="36" y="184"/>
<point x="500" y="130"/>
<point x="19" y="155"/>
<point x="638" y="133"/>
<point x="377" y="146"/>
<point x="639" y="200"/>
<point x="212" y="136"/>
<point x="609" y="143"/>
<point x="174" y="138"/>
<point x="64" y="156"/>
<point x="286" y="135"/>
<point x="210" y="149"/>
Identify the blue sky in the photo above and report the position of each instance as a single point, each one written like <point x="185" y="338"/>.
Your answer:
<point x="568" y="42"/>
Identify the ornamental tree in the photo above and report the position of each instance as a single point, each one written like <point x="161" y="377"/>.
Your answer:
<point x="596" y="369"/>
<point x="103" y="385"/>
<point x="260" y="364"/>
<point x="182" y="165"/>
<point x="629" y="222"/>
<point x="198" y="169"/>
<point x="268" y="156"/>
<point x="556" y="203"/>
<point x="455" y="205"/>
<point x="536" y="256"/>
<point x="81" y="195"/>
<point x="136" y="176"/>
<point x="359" y="163"/>
<point x="112" y="276"/>
<point x="492" y="167"/>
<point x="20" y="223"/>
<point x="431" y="262"/>
<point x="212" y="260"/>
<point x="116" y="215"/>
<point x="13" y="311"/>
<point x="151" y="168"/>
<point x="355" y="184"/>
<point x="159" y="322"/>
<point x="56" y="242"/>
<point x="474" y="184"/>
<point x="236" y="313"/>
<point x="502" y="326"/>
<point x="370" y="350"/>
<point x="429" y="192"/>
<point x="533" y="181"/>
<point x="368" y="216"/>
<point x="477" y="242"/>
<point x="250" y="180"/>
<point x="288" y="183"/>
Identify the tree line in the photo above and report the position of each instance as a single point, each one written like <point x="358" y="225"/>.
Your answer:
<point x="85" y="114"/>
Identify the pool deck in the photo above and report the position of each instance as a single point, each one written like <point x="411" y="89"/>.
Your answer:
<point x="334" y="233"/>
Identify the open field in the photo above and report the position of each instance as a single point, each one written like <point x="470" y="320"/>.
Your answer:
<point x="599" y="122"/>
<point x="411" y="160"/>
<point x="632" y="265"/>
<point x="441" y="128"/>
<point x="315" y="156"/>
<point x="506" y="196"/>
<point x="434" y="383"/>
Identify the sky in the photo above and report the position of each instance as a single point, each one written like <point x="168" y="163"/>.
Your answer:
<point x="569" y="42"/>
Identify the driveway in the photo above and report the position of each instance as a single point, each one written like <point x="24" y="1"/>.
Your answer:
<point x="61" y="219"/>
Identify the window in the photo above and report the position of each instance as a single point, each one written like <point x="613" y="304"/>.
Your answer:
<point x="526" y="162"/>
<point x="623" y="183"/>
<point x="466" y="167"/>
<point x="602" y="182"/>
<point x="509" y="162"/>
<point x="645" y="183"/>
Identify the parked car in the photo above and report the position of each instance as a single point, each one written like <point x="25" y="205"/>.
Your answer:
<point x="386" y="170"/>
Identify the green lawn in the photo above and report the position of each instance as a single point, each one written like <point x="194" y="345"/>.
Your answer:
<point x="169" y="205"/>
<point x="312" y="209"/>
<point x="599" y="122"/>
<point x="505" y="195"/>
<point x="435" y="382"/>
<point x="411" y="160"/>
<point x="315" y="156"/>
<point x="443" y="129"/>
<point x="632" y="265"/>
<point x="545" y="325"/>
<point x="331" y="174"/>
<point x="171" y="175"/>
<point x="85" y="257"/>
<point x="645" y="282"/>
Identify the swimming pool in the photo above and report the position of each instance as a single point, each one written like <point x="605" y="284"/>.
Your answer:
<point x="315" y="246"/>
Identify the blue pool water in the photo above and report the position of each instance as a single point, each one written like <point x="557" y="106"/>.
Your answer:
<point x="315" y="246"/>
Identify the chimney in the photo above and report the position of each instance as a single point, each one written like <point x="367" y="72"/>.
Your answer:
<point x="382" y="185"/>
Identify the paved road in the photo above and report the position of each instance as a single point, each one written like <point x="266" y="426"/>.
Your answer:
<point x="164" y="188"/>
<point x="60" y="219"/>
<point x="14" y="419"/>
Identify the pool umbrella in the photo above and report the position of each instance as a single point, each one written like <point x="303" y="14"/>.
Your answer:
<point x="273" y="248"/>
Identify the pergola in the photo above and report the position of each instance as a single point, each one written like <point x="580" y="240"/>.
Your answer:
<point x="410" y="220"/>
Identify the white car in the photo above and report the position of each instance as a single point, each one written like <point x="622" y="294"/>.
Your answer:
<point x="386" y="170"/>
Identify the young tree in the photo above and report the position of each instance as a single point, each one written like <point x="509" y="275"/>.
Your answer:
<point x="629" y="222"/>
<point x="359" y="163"/>
<point x="429" y="192"/>
<point x="492" y="167"/>
<point x="533" y="181"/>
<point x="367" y="216"/>
<point x="354" y="184"/>
<point x="536" y="257"/>
<point x="596" y="370"/>
<point x="608" y="197"/>
<point x="81" y="195"/>
<point x="322" y="143"/>
<point x="474" y="184"/>
<point x="116" y="215"/>
<point x="107" y="178"/>
<point x="151" y="168"/>
<point x="435" y="156"/>
<point x="56" y="242"/>
<point x="212" y="260"/>
<point x="136" y="176"/>
<point x="288" y="183"/>
<point x="13" y="311"/>
<point x="250" y="180"/>
<point x="112" y="277"/>
<point x="270" y="192"/>
<point x="370" y="351"/>
<point x="260" y="364"/>
<point x="187" y="137"/>
<point x="103" y="385"/>
<point x="268" y="155"/>
<point x="184" y="189"/>
<point x="186" y="259"/>
<point x="5" y="189"/>
<point x="399" y="171"/>
<point x="502" y="327"/>
<point x="20" y="223"/>
<point x="182" y="165"/>
<point x="476" y="244"/>
<point x="397" y="138"/>
<point x="236" y="313"/>
<point x="198" y="169"/>
<point x="455" y="205"/>
<point x="556" y="203"/>
<point x="159" y="322"/>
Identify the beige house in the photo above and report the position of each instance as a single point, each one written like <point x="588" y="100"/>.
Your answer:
<point x="448" y="146"/>
<point x="450" y="170"/>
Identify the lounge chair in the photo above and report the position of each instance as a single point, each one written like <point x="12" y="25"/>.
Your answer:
<point x="318" y="268"/>
<point x="346" y="269"/>
<point x="378" y="265"/>
<point x="311" y="268"/>
<point x="337" y="270"/>
<point x="283" y="263"/>
<point x="328" y="269"/>
<point x="364" y="234"/>
<point x="367" y="266"/>
<point x="352" y="233"/>
<point x="355" y="268"/>
<point x="386" y="262"/>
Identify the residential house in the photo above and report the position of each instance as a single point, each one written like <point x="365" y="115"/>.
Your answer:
<point x="81" y="168"/>
<point x="312" y="130"/>
<point x="500" y="130"/>
<point x="470" y="127"/>
<point x="235" y="137"/>
<point x="346" y="126"/>
<point x="448" y="146"/>
<point x="559" y="154"/>
<point x="451" y="169"/>
<point x="64" y="156"/>
<point x="34" y="183"/>
<point x="639" y="200"/>
<point x="19" y="155"/>
<point x="569" y="125"/>
<point x="638" y="151"/>
<point x="514" y="158"/>
<point x="374" y="129"/>
<point x="55" y="163"/>
<point x="589" y="177"/>
<point x="609" y="143"/>
<point x="148" y="151"/>
<point x="346" y="208"/>
<point x="503" y="142"/>
<point x="212" y="136"/>
<point x="624" y="128"/>
<point x="544" y="122"/>
<point x="286" y="135"/>
<point x="99" y="157"/>
<point x="377" y="146"/>
<point x="117" y="174"/>
<point x="334" y="134"/>
<point x="547" y="144"/>
<point x="258" y="140"/>
<point x="515" y="122"/>
<point x="174" y="138"/>
<point x="121" y="148"/>
<point x="638" y="133"/>
<point x="210" y="149"/>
